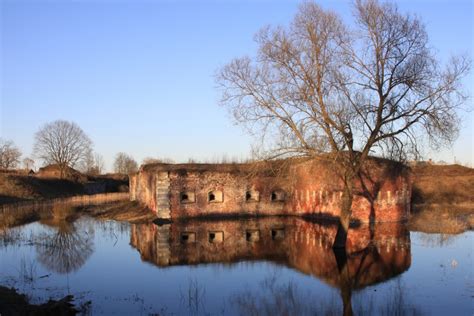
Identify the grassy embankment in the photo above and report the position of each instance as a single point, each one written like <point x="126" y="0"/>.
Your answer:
<point x="56" y="196"/>
<point x="18" y="187"/>
<point x="443" y="198"/>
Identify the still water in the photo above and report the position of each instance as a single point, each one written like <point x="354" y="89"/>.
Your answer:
<point x="268" y="266"/>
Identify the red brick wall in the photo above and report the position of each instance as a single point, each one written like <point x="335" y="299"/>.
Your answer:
<point x="311" y="188"/>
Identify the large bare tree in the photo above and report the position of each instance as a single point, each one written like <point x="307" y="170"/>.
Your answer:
<point x="63" y="143"/>
<point x="319" y="87"/>
<point x="9" y="154"/>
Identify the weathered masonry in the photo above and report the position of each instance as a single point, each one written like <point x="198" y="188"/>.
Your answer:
<point x="376" y="254"/>
<point x="304" y="188"/>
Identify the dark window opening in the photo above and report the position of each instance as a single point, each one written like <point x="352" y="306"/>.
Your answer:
<point x="215" y="196"/>
<point x="274" y="196"/>
<point x="278" y="196"/>
<point x="278" y="233"/>
<point x="216" y="237"/>
<point x="252" y="235"/>
<point x="187" y="197"/>
<point x="188" y="237"/>
<point x="252" y="196"/>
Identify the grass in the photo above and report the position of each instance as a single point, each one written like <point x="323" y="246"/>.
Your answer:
<point x="438" y="184"/>
<point x="442" y="199"/>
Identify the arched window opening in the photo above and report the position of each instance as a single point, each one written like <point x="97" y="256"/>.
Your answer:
<point x="215" y="196"/>
<point x="278" y="196"/>
<point x="278" y="233"/>
<point x="252" y="196"/>
<point x="188" y="237"/>
<point x="187" y="197"/>
<point x="252" y="235"/>
<point x="216" y="236"/>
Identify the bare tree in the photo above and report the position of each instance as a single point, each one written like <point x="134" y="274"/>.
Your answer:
<point x="63" y="143"/>
<point x="99" y="163"/>
<point x="28" y="164"/>
<point x="92" y="164"/>
<point x="319" y="88"/>
<point x="9" y="154"/>
<point x="87" y="164"/>
<point x="125" y="164"/>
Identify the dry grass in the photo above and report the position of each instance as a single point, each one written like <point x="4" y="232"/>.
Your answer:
<point x="436" y="184"/>
<point x="443" y="199"/>
<point x="122" y="211"/>
<point x="16" y="186"/>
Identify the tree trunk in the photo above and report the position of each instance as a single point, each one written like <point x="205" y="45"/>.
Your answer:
<point x="345" y="282"/>
<point x="62" y="171"/>
<point x="345" y="217"/>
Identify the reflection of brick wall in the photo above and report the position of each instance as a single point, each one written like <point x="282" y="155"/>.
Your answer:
<point x="302" y="245"/>
<point x="310" y="188"/>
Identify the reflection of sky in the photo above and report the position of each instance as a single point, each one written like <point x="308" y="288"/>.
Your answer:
<point x="116" y="280"/>
<point x="137" y="76"/>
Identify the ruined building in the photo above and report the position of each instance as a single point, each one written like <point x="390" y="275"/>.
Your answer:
<point x="296" y="187"/>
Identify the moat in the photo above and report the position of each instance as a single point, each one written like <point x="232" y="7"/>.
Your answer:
<point x="264" y="266"/>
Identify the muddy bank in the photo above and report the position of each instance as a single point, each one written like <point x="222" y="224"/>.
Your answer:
<point x="13" y="303"/>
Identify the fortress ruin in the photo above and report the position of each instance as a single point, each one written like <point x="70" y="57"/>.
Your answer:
<point x="297" y="187"/>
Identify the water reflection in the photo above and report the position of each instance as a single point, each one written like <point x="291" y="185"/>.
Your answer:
<point x="66" y="246"/>
<point x="374" y="254"/>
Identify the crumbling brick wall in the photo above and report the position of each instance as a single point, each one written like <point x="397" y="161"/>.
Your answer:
<point x="305" y="188"/>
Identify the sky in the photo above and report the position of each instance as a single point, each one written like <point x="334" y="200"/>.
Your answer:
<point x="138" y="76"/>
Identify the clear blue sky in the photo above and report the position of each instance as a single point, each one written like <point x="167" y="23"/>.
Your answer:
<point x="137" y="76"/>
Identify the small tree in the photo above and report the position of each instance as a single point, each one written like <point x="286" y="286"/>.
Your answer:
<point x="9" y="154"/>
<point x="321" y="87"/>
<point x="63" y="143"/>
<point x="99" y="164"/>
<point x="93" y="164"/>
<point x="125" y="164"/>
<point x="28" y="164"/>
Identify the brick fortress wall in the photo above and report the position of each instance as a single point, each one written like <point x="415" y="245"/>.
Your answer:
<point x="304" y="188"/>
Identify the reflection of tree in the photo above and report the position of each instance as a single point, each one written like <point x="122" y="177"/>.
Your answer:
<point x="66" y="248"/>
<point x="274" y="297"/>
<point x="194" y="298"/>
<point x="277" y="297"/>
<point x="437" y="240"/>
<point x="396" y="302"/>
<point x="351" y="279"/>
